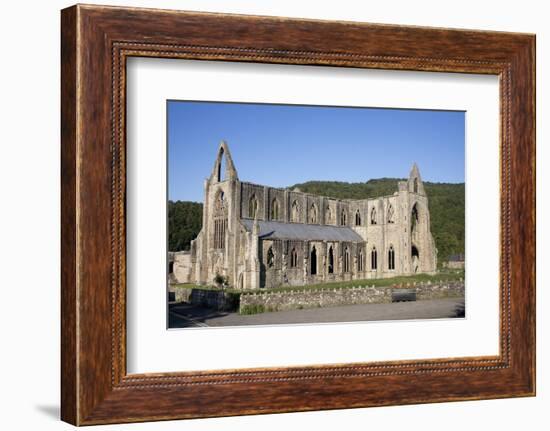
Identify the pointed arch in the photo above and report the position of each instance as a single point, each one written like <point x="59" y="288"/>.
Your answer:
<point x="275" y="209"/>
<point x="219" y="201"/>
<point x="313" y="214"/>
<point x="295" y="212"/>
<point x="373" y="259"/>
<point x="313" y="261"/>
<point x="391" y="258"/>
<point x="270" y="258"/>
<point x="220" y="220"/>
<point x="346" y="259"/>
<point x="252" y="206"/>
<point x="293" y="258"/>
<point x="343" y="217"/>
<point x="415" y="218"/>
<point x="357" y="218"/>
<point x="391" y="215"/>
<point x="328" y="215"/>
<point x="373" y="218"/>
<point x="221" y="165"/>
<point x="223" y="169"/>
<point x="330" y="261"/>
<point x="415" y="258"/>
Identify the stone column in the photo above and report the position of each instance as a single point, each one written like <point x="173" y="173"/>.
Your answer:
<point x="285" y="207"/>
<point x="253" y="254"/>
<point x="266" y="203"/>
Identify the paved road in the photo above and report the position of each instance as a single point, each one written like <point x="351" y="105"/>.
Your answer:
<point x="184" y="315"/>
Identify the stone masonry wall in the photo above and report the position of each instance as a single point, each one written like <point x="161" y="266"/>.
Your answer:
<point x="309" y="298"/>
<point x="216" y="299"/>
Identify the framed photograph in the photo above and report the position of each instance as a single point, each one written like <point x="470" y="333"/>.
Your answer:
<point x="238" y="249"/>
<point x="267" y="215"/>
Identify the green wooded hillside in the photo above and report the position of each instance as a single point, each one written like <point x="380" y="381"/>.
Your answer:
<point x="184" y="224"/>
<point x="446" y="203"/>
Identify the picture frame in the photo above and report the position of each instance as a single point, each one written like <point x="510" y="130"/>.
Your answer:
<point x="96" y="41"/>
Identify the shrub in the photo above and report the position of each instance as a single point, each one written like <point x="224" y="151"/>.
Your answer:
<point x="221" y="281"/>
<point x="252" y="309"/>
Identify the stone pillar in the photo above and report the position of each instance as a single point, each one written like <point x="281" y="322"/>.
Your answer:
<point x="305" y="252"/>
<point x="285" y="207"/>
<point x="254" y="263"/>
<point x="266" y="203"/>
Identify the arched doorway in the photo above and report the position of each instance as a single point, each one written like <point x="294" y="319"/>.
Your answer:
<point x="313" y="261"/>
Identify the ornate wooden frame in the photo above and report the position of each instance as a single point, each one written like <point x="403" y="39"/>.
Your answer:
<point x="95" y="43"/>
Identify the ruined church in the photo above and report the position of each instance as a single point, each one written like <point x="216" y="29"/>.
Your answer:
<point x="259" y="237"/>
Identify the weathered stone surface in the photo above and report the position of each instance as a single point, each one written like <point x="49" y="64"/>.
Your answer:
<point x="310" y="298"/>
<point x="181" y="294"/>
<point x="391" y="234"/>
<point x="180" y="263"/>
<point x="215" y="299"/>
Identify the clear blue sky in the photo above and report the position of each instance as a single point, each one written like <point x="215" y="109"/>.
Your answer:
<point x="281" y="145"/>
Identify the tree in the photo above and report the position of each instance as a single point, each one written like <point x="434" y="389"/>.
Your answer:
<point x="184" y="224"/>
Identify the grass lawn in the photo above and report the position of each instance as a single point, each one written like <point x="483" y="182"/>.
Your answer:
<point x="444" y="275"/>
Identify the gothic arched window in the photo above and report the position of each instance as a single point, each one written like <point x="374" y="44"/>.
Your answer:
<point x="346" y="260"/>
<point x="373" y="216"/>
<point x="391" y="258"/>
<point x="221" y="166"/>
<point x="357" y="218"/>
<point x="373" y="259"/>
<point x="313" y="214"/>
<point x="295" y="212"/>
<point x="330" y="261"/>
<point x="328" y="216"/>
<point x="414" y="218"/>
<point x="313" y="261"/>
<point x="274" y="209"/>
<point x="390" y="215"/>
<point x="219" y="203"/>
<point x="293" y="258"/>
<point x="252" y="206"/>
<point x="270" y="258"/>
<point x="220" y="220"/>
<point x="343" y="218"/>
<point x="360" y="265"/>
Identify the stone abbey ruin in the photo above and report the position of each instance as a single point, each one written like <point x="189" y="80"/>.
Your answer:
<point x="263" y="237"/>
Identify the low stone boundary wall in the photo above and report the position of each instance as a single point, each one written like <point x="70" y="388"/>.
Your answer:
<point x="216" y="299"/>
<point x="251" y="303"/>
<point x="437" y="291"/>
